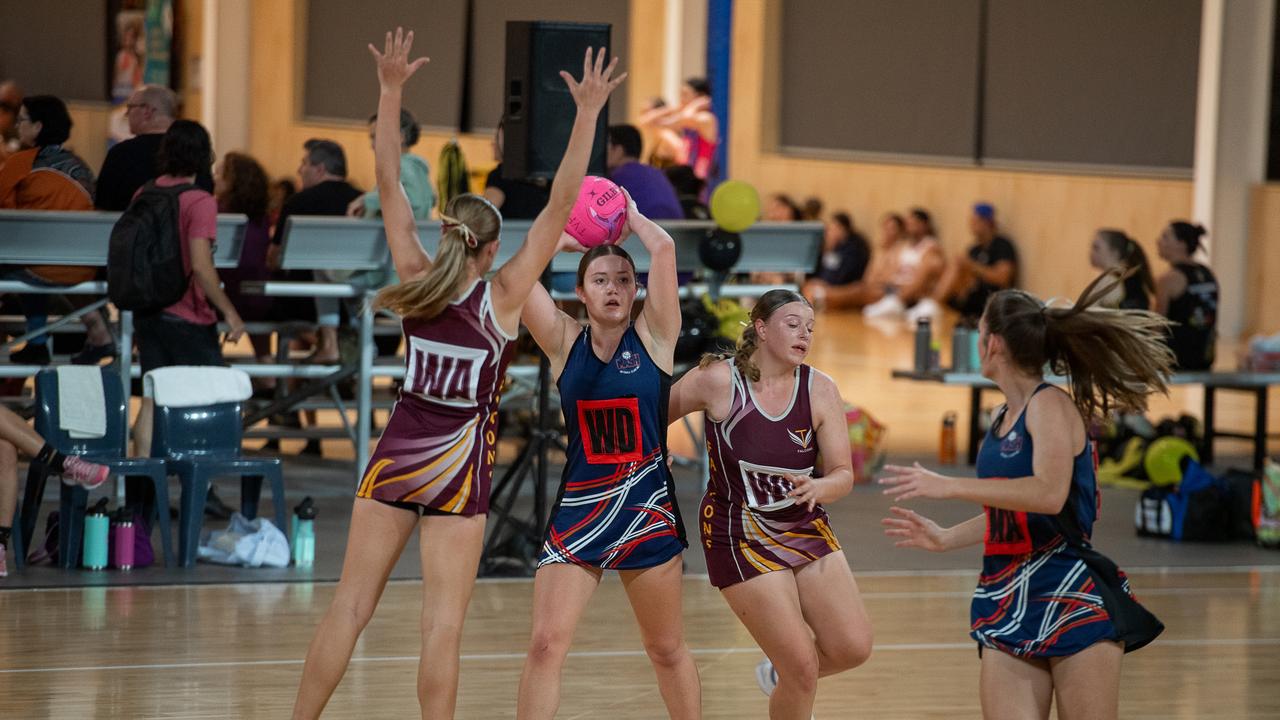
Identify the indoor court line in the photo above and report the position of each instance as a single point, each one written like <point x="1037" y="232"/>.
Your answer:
<point x="476" y="657"/>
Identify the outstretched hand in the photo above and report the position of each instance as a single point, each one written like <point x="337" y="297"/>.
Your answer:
<point x="911" y="529"/>
<point x="915" y="481"/>
<point x="394" y="67"/>
<point x="597" y="81"/>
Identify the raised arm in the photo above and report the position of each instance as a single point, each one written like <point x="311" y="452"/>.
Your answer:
<point x="659" y="323"/>
<point x="516" y="278"/>
<point x="394" y="69"/>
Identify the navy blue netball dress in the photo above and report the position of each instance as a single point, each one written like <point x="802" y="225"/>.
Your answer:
<point x="1044" y="592"/>
<point x="616" y="508"/>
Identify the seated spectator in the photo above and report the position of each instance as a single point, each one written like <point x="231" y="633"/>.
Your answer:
<point x="186" y="333"/>
<point x="1187" y="294"/>
<point x="990" y="264"/>
<point x="781" y="208"/>
<point x="844" y="259"/>
<point x="17" y="436"/>
<point x="415" y="174"/>
<point x="667" y="146"/>
<point x="811" y="209"/>
<point x="917" y="264"/>
<point x="689" y="187"/>
<point x="325" y="191"/>
<point x="878" y="278"/>
<point x="691" y="127"/>
<point x="47" y="176"/>
<point x="517" y="199"/>
<point x="281" y="190"/>
<point x="10" y="101"/>
<point x="1113" y="249"/>
<point x="648" y="186"/>
<point x="129" y="164"/>
<point x="240" y="186"/>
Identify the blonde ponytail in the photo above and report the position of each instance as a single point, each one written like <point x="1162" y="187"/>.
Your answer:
<point x="468" y="224"/>
<point x="750" y="340"/>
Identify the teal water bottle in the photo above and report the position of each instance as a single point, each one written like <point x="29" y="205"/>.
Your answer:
<point x="96" y="529"/>
<point x="306" y="506"/>
<point x="304" y="544"/>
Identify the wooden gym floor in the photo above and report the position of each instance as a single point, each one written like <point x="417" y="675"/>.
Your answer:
<point x="235" y="650"/>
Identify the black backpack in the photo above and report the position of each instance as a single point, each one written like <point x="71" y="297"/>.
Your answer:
<point x="144" y="259"/>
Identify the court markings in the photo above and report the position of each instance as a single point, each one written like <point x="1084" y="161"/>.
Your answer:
<point x="638" y="653"/>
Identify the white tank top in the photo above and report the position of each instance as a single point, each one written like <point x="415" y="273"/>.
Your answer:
<point x="910" y="257"/>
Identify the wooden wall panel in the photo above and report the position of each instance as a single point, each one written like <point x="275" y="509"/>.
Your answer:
<point x="1263" y="314"/>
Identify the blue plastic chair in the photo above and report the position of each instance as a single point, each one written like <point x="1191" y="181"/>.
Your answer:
<point x="199" y="444"/>
<point x="107" y="450"/>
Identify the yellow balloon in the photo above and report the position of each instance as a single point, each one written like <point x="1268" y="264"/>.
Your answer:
<point x="735" y="206"/>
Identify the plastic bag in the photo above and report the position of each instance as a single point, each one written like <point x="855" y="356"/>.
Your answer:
<point x="250" y="543"/>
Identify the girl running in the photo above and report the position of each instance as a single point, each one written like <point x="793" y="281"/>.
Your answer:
<point x="1050" y="614"/>
<point x="434" y="462"/>
<point x="617" y="508"/>
<point x="779" y="449"/>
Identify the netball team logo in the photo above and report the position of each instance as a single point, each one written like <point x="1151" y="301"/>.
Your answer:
<point x="444" y="373"/>
<point x="1011" y="444"/>
<point x="627" y="362"/>
<point x="801" y="437"/>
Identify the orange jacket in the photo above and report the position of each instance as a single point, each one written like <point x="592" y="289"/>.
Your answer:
<point x="48" y="178"/>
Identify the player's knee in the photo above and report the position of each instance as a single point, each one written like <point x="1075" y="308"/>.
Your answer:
<point x="799" y="670"/>
<point x="666" y="652"/>
<point x="548" y="646"/>
<point x="353" y="611"/>
<point x="436" y="629"/>
<point x="854" y="651"/>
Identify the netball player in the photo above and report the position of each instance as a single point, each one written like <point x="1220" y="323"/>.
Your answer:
<point x="778" y="449"/>
<point x="434" y="462"/>
<point x="617" y="508"/>
<point x="1052" y="617"/>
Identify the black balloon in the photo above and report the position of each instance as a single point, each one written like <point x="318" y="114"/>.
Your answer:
<point x="697" y="327"/>
<point x="719" y="250"/>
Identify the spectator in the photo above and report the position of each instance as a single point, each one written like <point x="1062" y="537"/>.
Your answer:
<point x="811" y="209"/>
<point x="322" y="173"/>
<point x="688" y="187"/>
<point x="667" y="146"/>
<point x="1187" y="294"/>
<point x="15" y="436"/>
<point x="240" y="186"/>
<point x="47" y="176"/>
<point x="844" y="259"/>
<point x="10" y="101"/>
<point x="129" y="164"/>
<point x="876" y="282"/>
<point x="415" y="175"/>
<point x="517" y="199"/>
<point x="186" y="333"/>
<point x="281" y="191"/>
<point x="1115" y="249"/>
<point x="916" y="268"/>
<point x="781" y="208"/>
<point x="648" y="186"/>
<point x="990" y="264"/>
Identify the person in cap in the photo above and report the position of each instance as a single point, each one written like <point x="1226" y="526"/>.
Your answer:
<point x="989" y="265"/>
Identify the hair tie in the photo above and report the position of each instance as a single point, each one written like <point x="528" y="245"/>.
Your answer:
<point x="447" y="223"/>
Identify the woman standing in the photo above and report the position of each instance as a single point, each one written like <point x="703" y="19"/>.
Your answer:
<point x="778" y="448"/>
<point x="1187" y="294"/>
<point x="433" y="465"/>
<point x="1052" y="617"/>
<point x="617" y="508"/>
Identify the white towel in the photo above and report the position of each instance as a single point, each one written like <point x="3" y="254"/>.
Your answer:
<point x="195" y="385"/>
<point x="82" y="408"/>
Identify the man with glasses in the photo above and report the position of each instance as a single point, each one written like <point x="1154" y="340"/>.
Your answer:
<point x="151" y="109"/>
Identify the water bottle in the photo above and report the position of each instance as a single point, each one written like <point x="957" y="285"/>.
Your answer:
<point x="975" y="355"/>
<point x="924" y="338"/>
<point x="304" y="546"/>
<point x="960" y="349"/>
<point x="947" y="442"/>
<point x="122" y="537"/>
<point x="307" y="505"/>
<point x="96" y="529"/>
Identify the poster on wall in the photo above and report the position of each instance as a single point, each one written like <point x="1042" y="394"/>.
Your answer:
<point x="140" y="45"/>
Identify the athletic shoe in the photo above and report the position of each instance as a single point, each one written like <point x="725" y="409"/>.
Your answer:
<point x="926" y="308"/>
<point x="78" y="471"/>
<point x="94" y="354"/>
<point x="31" y="354"/>
<point x="889" y="307"/>
<point x="766" y="676"/>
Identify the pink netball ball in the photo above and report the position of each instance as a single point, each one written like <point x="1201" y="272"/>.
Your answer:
<point x="598" y="216"/>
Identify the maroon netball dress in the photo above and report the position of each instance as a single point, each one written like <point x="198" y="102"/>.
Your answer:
<point x="749" y="524"/>
<point x="437" y="452"/>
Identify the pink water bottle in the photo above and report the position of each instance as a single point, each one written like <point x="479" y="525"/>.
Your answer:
<point x="122" y="537"/>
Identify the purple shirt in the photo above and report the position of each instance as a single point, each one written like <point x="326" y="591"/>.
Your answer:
<point x="649" y="187"/>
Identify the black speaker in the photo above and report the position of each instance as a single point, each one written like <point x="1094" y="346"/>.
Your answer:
<point x="539" y="109"/>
